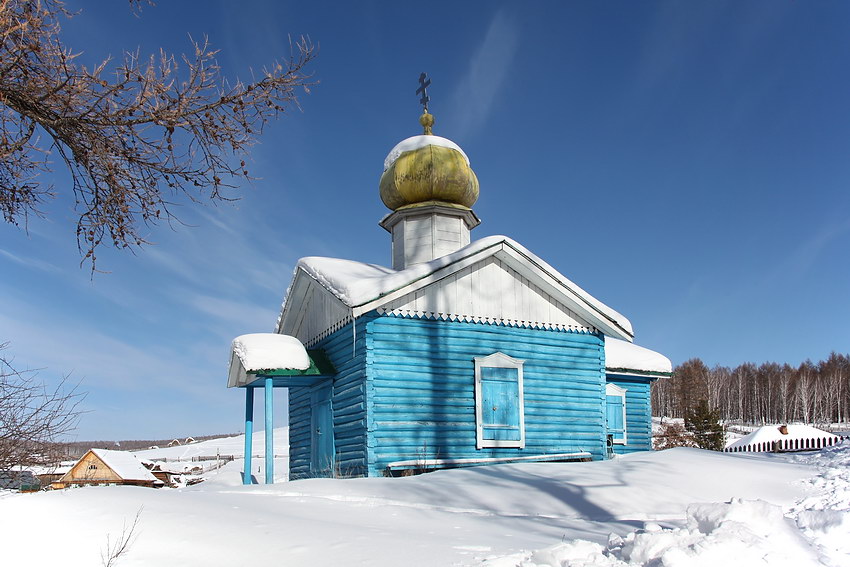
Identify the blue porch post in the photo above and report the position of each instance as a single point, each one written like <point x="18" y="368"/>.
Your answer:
<point x="249" y="434"/>
<point x="269" y="432"/>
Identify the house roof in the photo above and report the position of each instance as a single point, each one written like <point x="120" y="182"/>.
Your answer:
<point x="771" y="433"/>
<point x="363" y="287"/>
<point x="623" y="357"/>
<point x="124" y="464"/>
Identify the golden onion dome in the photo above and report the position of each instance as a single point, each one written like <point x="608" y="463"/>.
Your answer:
<point x="427" y="169"/>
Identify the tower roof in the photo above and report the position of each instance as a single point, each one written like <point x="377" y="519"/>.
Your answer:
<point x="426" y="169"/>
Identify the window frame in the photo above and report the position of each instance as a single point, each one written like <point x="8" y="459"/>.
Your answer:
<point x="498" y="360"/>
<point x="612" y="389"/>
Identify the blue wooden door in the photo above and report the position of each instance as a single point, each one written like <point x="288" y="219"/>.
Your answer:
<point x="614" y="417"/>
<point x="322" y="433"/>
<point x="500" y="404"/>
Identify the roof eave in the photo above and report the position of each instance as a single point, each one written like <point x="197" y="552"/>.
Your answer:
<point x="523" y="261"/>
<point x="637" y="372"/>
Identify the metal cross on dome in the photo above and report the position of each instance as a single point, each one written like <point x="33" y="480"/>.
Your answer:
<point x="424" y="83"/>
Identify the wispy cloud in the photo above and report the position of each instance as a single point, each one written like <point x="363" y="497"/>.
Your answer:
<point x="236" y="315"/>
<point x="215" y="255"/>
<point x="29" y="262"/>
<point x="488" y="69"/>
<point x="807" y="252"/>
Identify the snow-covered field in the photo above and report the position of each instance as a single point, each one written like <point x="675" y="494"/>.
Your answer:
<point x="681" y="507"/>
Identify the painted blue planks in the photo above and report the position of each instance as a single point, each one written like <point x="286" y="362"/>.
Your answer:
<point x="405" y="389"/>
<point x="348" y="407"/>
<point x="420" y="384"/>
<point x="638" y="413"/>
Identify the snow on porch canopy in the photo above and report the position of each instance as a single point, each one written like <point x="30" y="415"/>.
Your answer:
<point x="281" y="357"/>
<point x="623" y="357"/>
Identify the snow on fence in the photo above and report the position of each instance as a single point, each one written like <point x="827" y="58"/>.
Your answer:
<point x="780" y="445"/>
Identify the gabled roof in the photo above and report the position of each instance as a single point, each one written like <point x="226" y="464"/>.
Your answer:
<point x="361" y="288"/>
<point x="124" y="464"/>
<point x="622" y="357"/>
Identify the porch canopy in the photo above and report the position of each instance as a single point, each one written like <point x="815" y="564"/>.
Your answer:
<point x="268" y="361"/>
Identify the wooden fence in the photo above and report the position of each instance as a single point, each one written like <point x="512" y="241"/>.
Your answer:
<point x="783" y="445"/>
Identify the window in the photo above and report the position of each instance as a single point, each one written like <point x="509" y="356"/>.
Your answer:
<point x="615" y="412"/>
<point x="499" y="409"/>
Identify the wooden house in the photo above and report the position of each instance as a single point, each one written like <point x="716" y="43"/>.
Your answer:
<point x="105" y="467"/>
<point x="463" y="353"/>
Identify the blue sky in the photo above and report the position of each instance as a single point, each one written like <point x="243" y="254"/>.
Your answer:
<point x="686" y="163"/>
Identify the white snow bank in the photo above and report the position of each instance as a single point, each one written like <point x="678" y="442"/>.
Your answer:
<point x="125" y="464"/>
<point x="494" y="514"/>
<point x="264" y="351"/>
<point x="356" y="283"/>
<point x="824" y="515"/>
<point x="770" y="433"/>
<point x="737" y="533"/>
<point x="623" y="355"/>
<point x="416" y="142"/>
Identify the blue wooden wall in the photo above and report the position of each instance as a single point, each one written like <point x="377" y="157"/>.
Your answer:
<point x="420" y="389"/>
<point x="416" y="379"/>
<point x="348" y="356"/>
<point x="638" y="413"/>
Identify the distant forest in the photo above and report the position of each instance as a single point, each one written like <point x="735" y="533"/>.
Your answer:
<point x="813" y="393"/>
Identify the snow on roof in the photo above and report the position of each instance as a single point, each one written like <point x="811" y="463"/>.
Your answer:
<point x="771" y="433"/>
<point x="416" y="142"/>
<point x="625" y="356"/>
<point x="124" y="464"/>
<point x="357" y="283"/>
<point x="264" y="351"/>
<point x="51" y="469"/>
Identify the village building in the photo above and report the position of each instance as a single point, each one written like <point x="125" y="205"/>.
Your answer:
<point x="783" y="438"/>
<point x="462" y="353"/>
<point x="106" y="467"/>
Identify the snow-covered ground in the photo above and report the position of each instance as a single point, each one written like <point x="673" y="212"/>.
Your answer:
<point x="221" y="446"/>
<point x="673" y="508"/>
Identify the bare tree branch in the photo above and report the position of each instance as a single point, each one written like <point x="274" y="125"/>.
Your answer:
<point x="33" y="416"/>
<point x="118" y="548"/>
<point x="134" y="136"/>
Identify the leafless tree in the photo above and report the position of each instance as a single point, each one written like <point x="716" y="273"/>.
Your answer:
<point x="768" y="393"/>
<point x="32" y="415"/>
<point x="135" y="135"/>
<point x="673" y="434"/>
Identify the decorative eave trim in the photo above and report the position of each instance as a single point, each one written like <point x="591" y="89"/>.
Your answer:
<point x="432" y="315"/>
<point x="329" y="331"/>
<point x="634" y="372"/>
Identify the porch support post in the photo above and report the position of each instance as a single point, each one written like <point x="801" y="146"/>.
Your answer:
<point x="269" y="431"/>
<point x="249" y="434"/>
